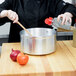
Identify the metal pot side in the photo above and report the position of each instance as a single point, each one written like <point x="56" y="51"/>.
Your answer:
<point x="43" y="41"/>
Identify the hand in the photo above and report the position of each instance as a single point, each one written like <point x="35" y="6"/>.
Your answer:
<point x="10" y="14"/>
<point x="65" y="18"/>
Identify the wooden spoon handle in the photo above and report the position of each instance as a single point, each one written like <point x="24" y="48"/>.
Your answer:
<point x="24" y="28"/>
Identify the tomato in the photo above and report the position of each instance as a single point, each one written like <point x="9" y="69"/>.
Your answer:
<point x="22" y="59"/>
<point x="48" y="21"/>
<point x="50" y="18"/>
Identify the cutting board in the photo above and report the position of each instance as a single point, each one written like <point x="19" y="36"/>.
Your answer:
<point x="60" y="63"/>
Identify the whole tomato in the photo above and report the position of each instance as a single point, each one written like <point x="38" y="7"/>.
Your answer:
<point x="49" y="21"/>
<point x="22" y="59"/>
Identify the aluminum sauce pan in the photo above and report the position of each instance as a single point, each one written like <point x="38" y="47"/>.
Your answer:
<point x="43" y="41"/>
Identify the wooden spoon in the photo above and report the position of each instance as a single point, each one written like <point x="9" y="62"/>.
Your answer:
<point x="24" y="28"/>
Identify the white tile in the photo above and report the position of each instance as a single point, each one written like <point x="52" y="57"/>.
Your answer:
<point x="1" y="1"/>
<point x="4" y="29"/>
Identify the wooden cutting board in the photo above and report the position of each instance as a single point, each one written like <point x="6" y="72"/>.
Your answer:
<point x="60" y="63"/>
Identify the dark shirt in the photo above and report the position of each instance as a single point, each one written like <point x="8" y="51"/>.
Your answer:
<point x="32" y="13"/>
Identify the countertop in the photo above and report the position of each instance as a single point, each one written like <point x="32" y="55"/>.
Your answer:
<point x="60" y="63"/>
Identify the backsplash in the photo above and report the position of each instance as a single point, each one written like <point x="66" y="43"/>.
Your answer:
<point x="71" y="1"/>
<point x="1" y="1"/>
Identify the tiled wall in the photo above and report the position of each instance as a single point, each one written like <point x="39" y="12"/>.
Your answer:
<point x="1" y="1"/>
<point x="70" y="1"/>
<point x="4" y="29"/>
